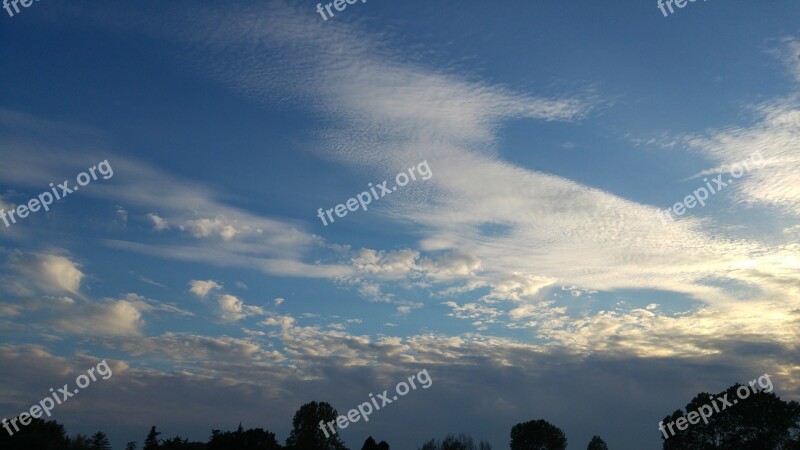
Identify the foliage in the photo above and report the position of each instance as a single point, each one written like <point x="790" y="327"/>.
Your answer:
<point x="537" y="434"/>
<point x="762" y="420"/>
<point x="306" y="432"/>
<point x="597" y="444"/>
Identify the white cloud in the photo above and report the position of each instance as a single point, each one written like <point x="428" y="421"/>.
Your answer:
<point x="219" y="226"/>
<point x="5" y="206"/>
<point x="480" y="314"/>
<point x="518" y="287"/>
<point x="122" y="214"/>
<point x="111" y="318"/>
<point x="159" y="224"/>
<point x="61" y="273"/>
<point x="49" y="272"/>
<point x="279" y="301"/>
<point x="392" y="111"/>
<point x="149" y="305"/>
<point x="202" y="288"/>
<point x="232" y="308"/>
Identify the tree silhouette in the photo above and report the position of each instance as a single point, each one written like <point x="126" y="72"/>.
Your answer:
<point x="430" y="445"/>
<point x="131" y="446"/>
<point x="151" y="442"/>
<point x="80" y="442"/>
<point x="537" y="435"/>
<point x="370" y="444"/>
<point x="597" y="444"/>
<point x="252" y="439"/>
<point x="306" y="432"/>
<point x="760" y="421"/>
<point x="100" y="441"/>
<point x="36" y="435"/>
<point x="452" y="442"/>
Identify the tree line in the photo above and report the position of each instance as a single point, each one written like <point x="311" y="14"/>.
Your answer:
<point x="762" y="422"/>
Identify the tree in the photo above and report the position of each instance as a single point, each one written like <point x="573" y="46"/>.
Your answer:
<point x="370" y="444"/>
<point x="430" y="445"/>
<point x="597" y="444"/>
<point x="306" y="431"/>
<point x="131" y="446"/>
<point x="151" y="442"/>
<point x="462" y="442"/>
<point x="537" y="435"/>
<point x="80" y="442"/>
<point x="761" y="420"/>
<point x="253" y="439"/>
<point x="100" y="441"/>
<point x="452" y="442"/>
<point x="38" y="435"/>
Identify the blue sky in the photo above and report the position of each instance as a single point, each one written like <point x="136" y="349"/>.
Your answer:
<point x="530" y="274"/>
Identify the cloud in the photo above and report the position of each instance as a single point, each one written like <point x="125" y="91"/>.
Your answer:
<point x="5" y="206"/>
<point x="480" y="315"/>
<point x="518" y="287"/>
<point x="110" y="318"/>
<point x="159" y="224"/>
<point x="202" y="288"/>
<point x="233" y="309"/>
<point x="279" y="301"/>
<point x="151" y="282"/>
<point x="122" y="215"/>
<point x="51" y="273"/>
<point x="219" y="226"/>
<point x="773" y="142"/>
<point x="393" y="111"/>
<point x="151" y="306"/>
<point x="219" y="233"/>
<point x="789" y="54"/>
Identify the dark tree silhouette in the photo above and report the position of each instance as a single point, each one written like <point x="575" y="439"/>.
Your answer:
<point x="306" y="432"/>
<point x="100" y="441"/>
<point x="597" y="444"/>
<point x="452" y="442"/>
<point x="80" y="442"/>
<point x="131" y="446"/>
<point x="252" y="439"/>
<point x="178" y="443"/>
<point x="430" y="445"/>
<point x="36" y="435"/>
<point x="537" y="435"/>
<point x="151" y="442"/>
<point x="370" y="444"/>
<point x="760" y="421"/>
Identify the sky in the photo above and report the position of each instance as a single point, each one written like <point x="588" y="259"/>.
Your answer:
<point x="526" y="268"/>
